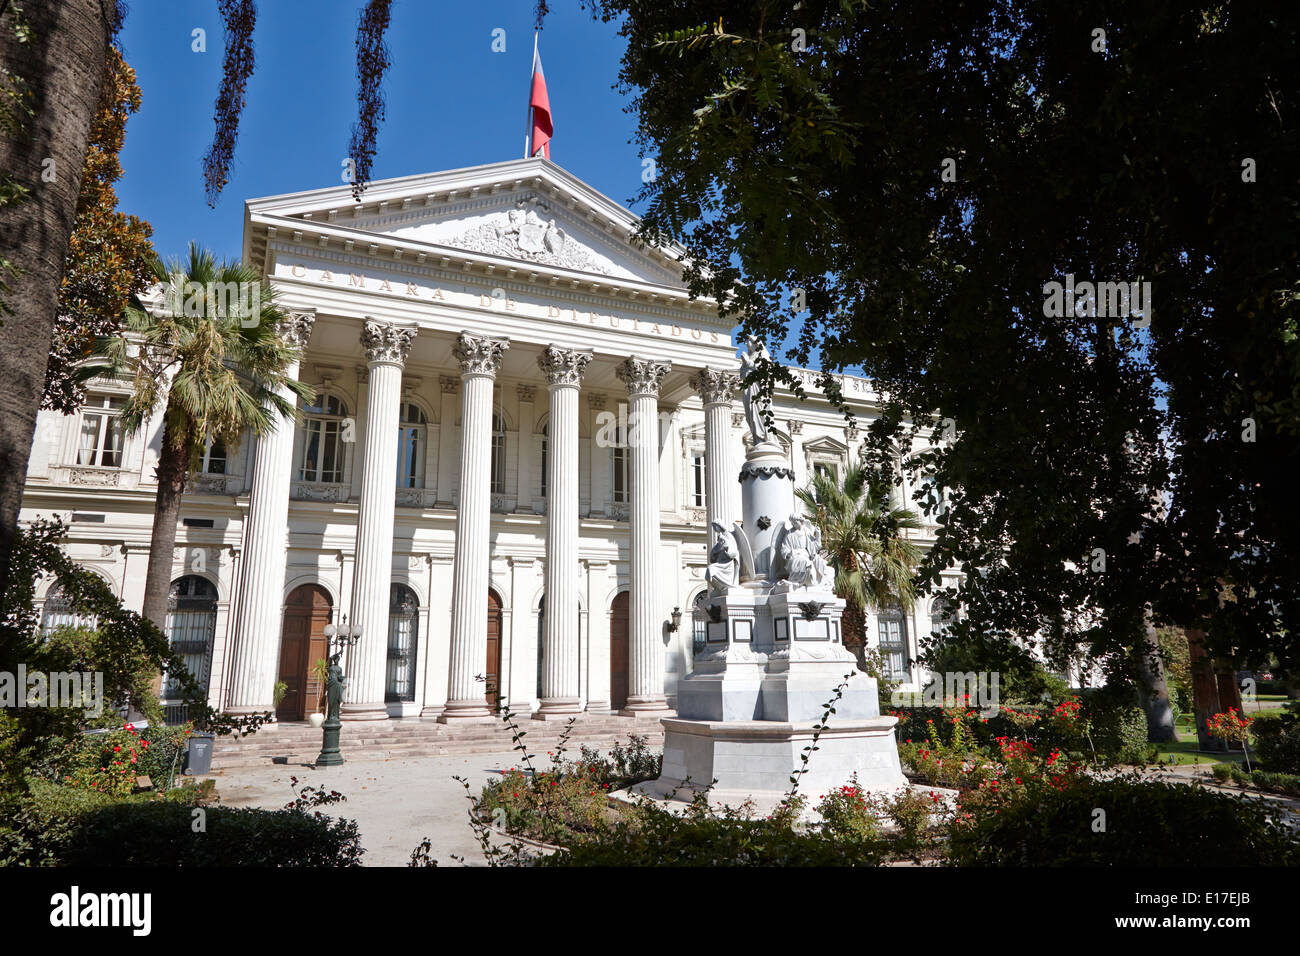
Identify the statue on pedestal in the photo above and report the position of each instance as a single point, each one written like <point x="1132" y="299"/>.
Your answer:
<point x="755" y="402"/>
<point x="334" y="684"/>
<point x="799" y="557"/>
<point x="723" y="572"/>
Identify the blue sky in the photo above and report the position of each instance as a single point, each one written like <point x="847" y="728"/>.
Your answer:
<point x="451" y="102"/>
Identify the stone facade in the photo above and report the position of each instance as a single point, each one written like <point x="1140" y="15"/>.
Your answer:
<point x="511" y="397"/>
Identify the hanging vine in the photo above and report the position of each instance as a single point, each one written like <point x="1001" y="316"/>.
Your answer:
<point x="239" y="17"/>
<point x="372" y="62"/>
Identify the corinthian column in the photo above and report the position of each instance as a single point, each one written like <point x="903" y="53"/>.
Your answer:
<point x="560" y="689"/>
<point x="479" y="359"/>
<point x="386" y="347"/>
<point x="256" y="654"/>
<point x="715" y="389"/>
<point x="646" y="671"/>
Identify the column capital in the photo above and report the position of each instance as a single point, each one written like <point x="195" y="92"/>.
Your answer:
<point x="563" y="366"/>
<point x="449" y="384"/>
<point x="526" y="393"/>
<point x="479" y="355"/>
<point x="295" y="328"/>
<point x="643" y="376"/>
<point x="715" y="386"/>
<point x="385" y="342"/>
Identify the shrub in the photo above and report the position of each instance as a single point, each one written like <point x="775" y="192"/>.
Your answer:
<point x="554" y="806"/>
<point x="1119" y="725"/>
<point x="1286" y="783"/>
<point x="654" y="837"/>
<point x="1277" y="741"/>
<point x="160" y="833"/>
<point x="1145" y="824"/>
<point x="111" y="762"/>
<point x="624" y="766"/>
<point x="846" y="813"/>
<point x="1222" y="772"/>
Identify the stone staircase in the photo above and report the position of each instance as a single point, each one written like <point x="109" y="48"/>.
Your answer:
<point x="299" y="743"/>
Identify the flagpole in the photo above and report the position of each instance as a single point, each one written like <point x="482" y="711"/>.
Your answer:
<point x="528" y="113"/>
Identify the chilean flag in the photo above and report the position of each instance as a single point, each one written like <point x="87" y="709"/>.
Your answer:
<point x="540" y="105"/>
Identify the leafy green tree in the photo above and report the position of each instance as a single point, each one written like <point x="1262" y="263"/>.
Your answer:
<point x="894" y="186"/>
<point x="123" y="647"/>
<point x="861" y="531"/>
<point x="108" y="252"/>
<point x="207" y="351"/>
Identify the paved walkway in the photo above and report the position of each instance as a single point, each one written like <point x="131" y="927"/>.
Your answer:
<point x="396" y="803"/>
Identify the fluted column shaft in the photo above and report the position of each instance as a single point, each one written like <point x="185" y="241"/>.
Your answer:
<point x="386" y="348"/>
<point x="259" y="609"/>
<point x="716" y="389"/>
<point x="479" y="358"/>
<point x="560" y="685"/>
<point x="645" y="672"/>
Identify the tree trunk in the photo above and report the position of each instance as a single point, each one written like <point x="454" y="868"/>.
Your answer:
<point x="1155" y="690"/>
<point x="63" y="69"/>
<point x="853" y="628"/>
<point x="173" y="465"/>
<point x="1205" y="691"/>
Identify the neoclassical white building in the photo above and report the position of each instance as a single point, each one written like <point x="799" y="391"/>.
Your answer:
<point x="470" y="487"/>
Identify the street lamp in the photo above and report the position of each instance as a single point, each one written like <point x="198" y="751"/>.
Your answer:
<point x="340" y="637"/>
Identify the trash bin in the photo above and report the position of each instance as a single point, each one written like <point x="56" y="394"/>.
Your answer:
<point x="198" y="756"/>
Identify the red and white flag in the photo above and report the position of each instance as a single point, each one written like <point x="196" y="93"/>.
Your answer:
<point x="540" y="105"/>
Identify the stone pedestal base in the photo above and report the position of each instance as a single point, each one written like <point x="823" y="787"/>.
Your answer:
<point x="464" y="712"/>
<point x="351" y="712"/>
<point x="755" y="759"/>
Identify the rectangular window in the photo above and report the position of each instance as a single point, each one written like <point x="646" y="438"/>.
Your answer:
<point x="322" y="454"/>
<point x="697" y="480"/>
<point x="499" y="463"/>
<point x="619" y="482"/>
<point x="893" y="646"/>
<point x="99" y="444"/>
<point x="214" y="458"/>
<point x="410" y="456"/>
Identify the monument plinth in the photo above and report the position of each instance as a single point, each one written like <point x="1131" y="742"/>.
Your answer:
<point x="772" y="659"/>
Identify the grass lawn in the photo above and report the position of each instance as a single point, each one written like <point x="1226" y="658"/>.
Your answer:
<point x="1185" y="751"/>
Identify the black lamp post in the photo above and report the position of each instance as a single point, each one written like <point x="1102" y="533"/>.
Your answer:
<point x="341" y="637"/>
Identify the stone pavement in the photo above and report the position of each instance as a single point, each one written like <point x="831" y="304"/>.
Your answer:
<point x="396" y="803"/>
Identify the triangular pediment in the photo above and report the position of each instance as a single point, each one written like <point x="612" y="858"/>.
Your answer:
<point x="523" y="211"/>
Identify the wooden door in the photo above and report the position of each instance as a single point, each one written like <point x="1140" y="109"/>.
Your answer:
<point x="303" y="643"/>
<point x="493" y="664"/>
<point x="618" y="651"/>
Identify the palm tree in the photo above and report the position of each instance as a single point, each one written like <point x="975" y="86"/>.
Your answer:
<point x="209" y="351"/>
<point x="860" y="531"/>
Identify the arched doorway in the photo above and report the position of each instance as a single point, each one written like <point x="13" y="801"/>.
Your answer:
<point x="618" y="651"/>
<point x="303" y="642"/>
<point x="403" y="636"/>
<point x="493" y="671"/>
<point x="191" y="630"/>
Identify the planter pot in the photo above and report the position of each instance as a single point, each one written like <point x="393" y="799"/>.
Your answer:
<point x="317" y="720"/>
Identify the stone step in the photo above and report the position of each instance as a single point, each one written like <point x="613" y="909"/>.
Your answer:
<point x="413" y="738"/>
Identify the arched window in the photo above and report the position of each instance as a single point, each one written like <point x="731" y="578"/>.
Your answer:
<point x="324" y="424"/>
<point x="892" y="624"/>
<point x="58" y="612"/>
<point x="403" y="635"/>
<point x="191" y="626"/>
<point x="412" y="432"/>
<point x="498" y="455"/>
